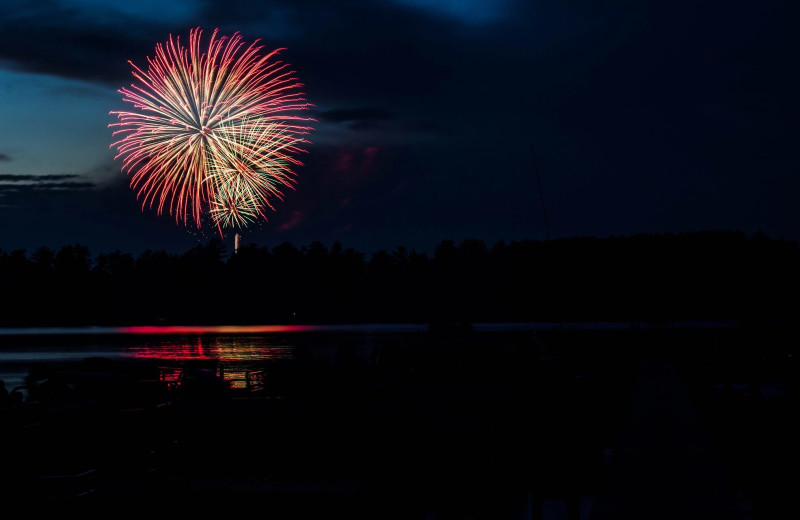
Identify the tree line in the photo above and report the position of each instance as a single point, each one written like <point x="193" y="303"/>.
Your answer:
<point x="714" y="275"/>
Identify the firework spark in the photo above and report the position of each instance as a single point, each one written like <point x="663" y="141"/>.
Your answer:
<point x="213" y="131"/>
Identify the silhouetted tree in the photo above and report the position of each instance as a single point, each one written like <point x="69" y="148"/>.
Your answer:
<point x="647" y="277"/>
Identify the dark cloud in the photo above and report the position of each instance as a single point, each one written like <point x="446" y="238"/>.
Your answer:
<point x="36" y="178"/>
<point x="16" y="187"/>
<point x="71" y="42"/>
<point x="360" y="119"/>
<point x="340" y="115"/>
<point x="39" y="186"/>
<point x="4" y="157"/>
<point x="331" y="40"/>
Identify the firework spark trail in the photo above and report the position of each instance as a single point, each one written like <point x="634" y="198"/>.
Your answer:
<point x="258" y="160"/>
<point x="212" y="131"/>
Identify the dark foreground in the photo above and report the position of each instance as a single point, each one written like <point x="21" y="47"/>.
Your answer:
<point x="640" y="423"/>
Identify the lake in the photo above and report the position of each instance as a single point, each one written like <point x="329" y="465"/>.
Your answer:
<point x="237" y="347"/>
<point x="467" y="422"/>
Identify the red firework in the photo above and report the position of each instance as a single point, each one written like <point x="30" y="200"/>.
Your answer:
<point x="213" y="130"/>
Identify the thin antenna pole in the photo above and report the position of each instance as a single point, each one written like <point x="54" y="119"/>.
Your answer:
<point x="541" y="193"/>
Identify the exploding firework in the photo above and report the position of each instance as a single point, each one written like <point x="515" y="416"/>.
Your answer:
<point x="214" y="131"/>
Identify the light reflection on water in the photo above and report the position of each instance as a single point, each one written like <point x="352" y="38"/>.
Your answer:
<point x="224" y="348"/>
<point x="235" y="346"/>
<point x="239" y="350"/>
<point x="237" y="355"/>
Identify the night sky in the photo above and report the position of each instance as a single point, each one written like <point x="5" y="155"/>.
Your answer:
<point x="645" y="117"/>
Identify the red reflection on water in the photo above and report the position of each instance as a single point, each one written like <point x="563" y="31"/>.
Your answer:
<point x="239" y="356"/>
<point x="223" y="329"/>
<point x="173" y="351"/>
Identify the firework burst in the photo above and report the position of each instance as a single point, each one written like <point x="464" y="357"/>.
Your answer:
<point x="213" y="130"/>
